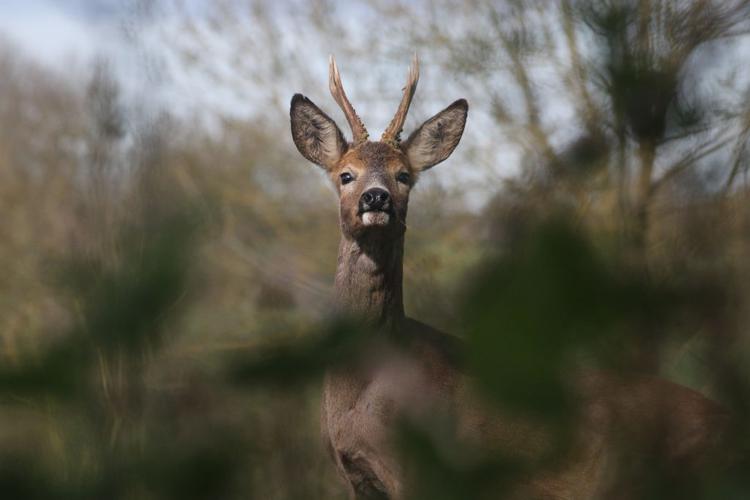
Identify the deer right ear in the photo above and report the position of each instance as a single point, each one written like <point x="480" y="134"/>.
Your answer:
<point x="436" y="139"/>
<point x="315" y="134"/>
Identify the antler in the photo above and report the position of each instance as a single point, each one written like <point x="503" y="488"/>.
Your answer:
<point x="392" y="134"/>
<point x="359" y="132"/>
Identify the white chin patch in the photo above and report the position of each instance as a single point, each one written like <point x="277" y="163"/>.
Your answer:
<point x="375" y="218"/>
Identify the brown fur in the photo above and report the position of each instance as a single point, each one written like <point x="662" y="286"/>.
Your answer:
<point x="417" y="376"/>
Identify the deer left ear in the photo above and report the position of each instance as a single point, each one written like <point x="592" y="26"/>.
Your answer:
<point x="436" y="139"/>
<point x="315" y="134"/>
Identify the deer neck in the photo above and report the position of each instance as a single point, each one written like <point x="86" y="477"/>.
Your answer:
<point x="369" y="280"/>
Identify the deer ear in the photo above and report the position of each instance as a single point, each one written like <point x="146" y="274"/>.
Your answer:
<point x="315" y="134"/>
<point x="436" y="139"/>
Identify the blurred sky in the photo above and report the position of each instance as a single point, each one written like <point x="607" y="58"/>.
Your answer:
<point x="66" y="35"/>
<point x="55" y="31"/>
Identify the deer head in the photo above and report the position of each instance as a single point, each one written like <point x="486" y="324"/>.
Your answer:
<point x="373" y="179"/>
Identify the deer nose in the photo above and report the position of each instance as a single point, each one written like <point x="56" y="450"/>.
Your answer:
<point x="374" y="199"/>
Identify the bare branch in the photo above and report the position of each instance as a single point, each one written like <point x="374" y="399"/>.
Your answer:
<point x="739" y="147"/>
<point x="690" y="160"/>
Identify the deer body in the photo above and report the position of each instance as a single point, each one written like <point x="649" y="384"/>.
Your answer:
<point x="362" y="403"/>
<point x="411" y="371"/>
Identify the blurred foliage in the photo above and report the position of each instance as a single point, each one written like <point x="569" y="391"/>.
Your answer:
<point x="163" y="312"/>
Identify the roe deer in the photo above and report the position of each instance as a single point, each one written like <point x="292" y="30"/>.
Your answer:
<point x="362" y="403"/>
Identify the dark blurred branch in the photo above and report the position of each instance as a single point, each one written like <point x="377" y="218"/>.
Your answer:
<point x="740" y="146"/>
<point x="689" y="160"/>
<point x="578" y="73"/>
<point x="513" y="46"/>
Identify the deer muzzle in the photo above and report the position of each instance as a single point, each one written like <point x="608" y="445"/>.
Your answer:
<point x="375" y="206"/>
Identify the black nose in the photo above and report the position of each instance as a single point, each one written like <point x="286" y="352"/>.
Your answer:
<point x="374" y="199"/>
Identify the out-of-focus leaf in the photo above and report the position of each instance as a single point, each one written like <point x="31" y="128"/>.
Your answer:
<point x="341" y="343"/>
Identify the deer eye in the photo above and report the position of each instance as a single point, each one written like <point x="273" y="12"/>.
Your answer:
<point x="346" y="178"/>
<point x="403" y="177"/>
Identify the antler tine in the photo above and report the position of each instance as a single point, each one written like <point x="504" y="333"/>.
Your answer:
<point x="359" y="132"/>
<point x="392" y="134"/>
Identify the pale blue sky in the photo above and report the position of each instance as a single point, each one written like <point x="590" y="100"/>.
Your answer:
<point x="52" y="31"/>
<point x="67" y="34"/>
